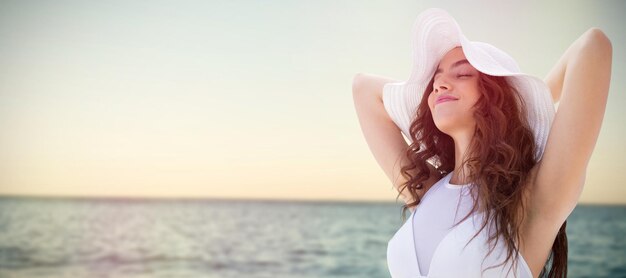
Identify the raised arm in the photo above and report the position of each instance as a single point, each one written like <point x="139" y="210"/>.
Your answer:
<point x="580" y="82"/>
<point x="381" y="134"/>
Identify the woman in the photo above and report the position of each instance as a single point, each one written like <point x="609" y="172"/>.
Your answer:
<point x="492" y="171"/>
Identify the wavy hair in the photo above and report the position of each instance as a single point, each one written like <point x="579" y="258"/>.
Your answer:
<point x="501" y="156"/>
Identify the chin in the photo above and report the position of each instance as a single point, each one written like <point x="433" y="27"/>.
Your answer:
<point x="450" y="126"/>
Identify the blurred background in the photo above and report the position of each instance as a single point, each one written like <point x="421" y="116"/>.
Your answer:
<point x="219" y="138"/>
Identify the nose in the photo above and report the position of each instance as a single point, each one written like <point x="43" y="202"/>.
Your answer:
<point x="441" y="85"/>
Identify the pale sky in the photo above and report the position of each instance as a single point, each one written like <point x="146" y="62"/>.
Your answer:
<point x="244" y="99"/>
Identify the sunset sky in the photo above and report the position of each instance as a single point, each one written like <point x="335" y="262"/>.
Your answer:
<point x="244" y="99"/>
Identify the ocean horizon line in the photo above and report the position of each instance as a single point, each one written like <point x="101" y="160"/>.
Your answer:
<point x="224" y="199"/>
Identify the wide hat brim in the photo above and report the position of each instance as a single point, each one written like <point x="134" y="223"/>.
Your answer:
<point x="434" y="34"/>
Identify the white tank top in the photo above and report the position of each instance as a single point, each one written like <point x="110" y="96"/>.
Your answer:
<point x="428" y="245"/>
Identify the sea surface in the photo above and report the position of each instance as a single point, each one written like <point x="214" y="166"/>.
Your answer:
<point x="224" y="238"/>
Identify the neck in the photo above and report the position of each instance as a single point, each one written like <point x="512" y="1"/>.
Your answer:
<point x="461" y="174"/>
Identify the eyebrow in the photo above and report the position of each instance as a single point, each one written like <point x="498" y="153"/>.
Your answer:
<point x="456" y="64"/>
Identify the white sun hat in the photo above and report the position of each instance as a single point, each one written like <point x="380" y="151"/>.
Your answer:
<point x="435" y="33"/>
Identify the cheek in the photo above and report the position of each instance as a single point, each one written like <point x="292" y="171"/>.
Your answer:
<point x="473" y="92"/>
<point x="431" y="100"/>
<point x="476" y="96"/>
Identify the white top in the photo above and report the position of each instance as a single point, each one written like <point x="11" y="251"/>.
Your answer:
<point x="428" y="245"/>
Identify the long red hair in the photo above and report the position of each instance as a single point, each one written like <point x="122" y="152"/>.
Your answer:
<point x="501" y="157"/>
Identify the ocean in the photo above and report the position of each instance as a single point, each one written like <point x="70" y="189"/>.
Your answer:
<point x="126" y="238"/>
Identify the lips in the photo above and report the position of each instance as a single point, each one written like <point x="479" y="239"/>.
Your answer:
<point x="444" y="99"/>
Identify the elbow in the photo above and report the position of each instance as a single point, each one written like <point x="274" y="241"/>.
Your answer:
<point x="598" y="49"/>
<point x="357" y="83"/>
<point x="599" y="36"/>
<point x="598" y="42"/>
